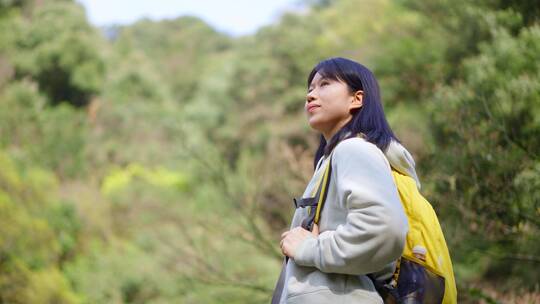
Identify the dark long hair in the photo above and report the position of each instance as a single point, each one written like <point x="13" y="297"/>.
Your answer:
<point x="369" y="120"/>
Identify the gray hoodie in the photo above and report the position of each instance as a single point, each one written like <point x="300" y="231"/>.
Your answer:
<point x="362" y="227"/>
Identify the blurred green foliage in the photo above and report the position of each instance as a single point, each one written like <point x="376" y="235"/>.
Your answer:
<point x="156" y="162"/>
<point x="59" y="50"/>
<point x="34" y="244"/>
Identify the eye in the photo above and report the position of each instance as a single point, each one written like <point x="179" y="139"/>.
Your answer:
<point x="324" y="83"/>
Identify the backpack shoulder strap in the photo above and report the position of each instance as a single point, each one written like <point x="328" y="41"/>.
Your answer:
<point x="322" y="191"/>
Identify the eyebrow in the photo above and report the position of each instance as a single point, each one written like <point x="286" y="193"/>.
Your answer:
<point x="321" y="79"/>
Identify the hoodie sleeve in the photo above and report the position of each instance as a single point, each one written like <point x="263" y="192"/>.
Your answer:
<point x="374" y="232"/>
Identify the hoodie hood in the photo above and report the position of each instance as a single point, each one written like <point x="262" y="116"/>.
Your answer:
<point x="401" y="160"/>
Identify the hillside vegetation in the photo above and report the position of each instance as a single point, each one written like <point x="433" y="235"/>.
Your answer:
<point x="156" y="162"/>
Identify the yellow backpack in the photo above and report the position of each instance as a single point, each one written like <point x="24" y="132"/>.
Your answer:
<point x="424" y="272"/>
<point x="424" y="232"/>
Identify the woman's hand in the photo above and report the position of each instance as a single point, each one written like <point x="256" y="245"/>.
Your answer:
<point x="290" y="240"/>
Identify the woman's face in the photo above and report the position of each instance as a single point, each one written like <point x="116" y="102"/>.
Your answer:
<point x="329" y="104"/>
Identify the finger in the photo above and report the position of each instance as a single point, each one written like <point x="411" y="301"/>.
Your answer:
<point x="282" y="243"/>
<point x="283" y="249"/>
<point x="285" y="233"/>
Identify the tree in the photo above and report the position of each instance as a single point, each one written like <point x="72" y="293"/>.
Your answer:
<point x="34" y="237"/>
<point x="177" y="47"/>
<point x="58" y="49"/>
<point x="488" y="157"/>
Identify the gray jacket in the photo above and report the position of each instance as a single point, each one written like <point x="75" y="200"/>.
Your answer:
<point x="362" y="227"/>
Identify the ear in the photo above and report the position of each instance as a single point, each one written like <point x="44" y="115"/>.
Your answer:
<point x="357" y="101"/>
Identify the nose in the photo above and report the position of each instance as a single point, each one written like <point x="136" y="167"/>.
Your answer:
<point x="310" y="97"/>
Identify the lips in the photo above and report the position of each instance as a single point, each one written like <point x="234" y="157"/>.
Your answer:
<point x="312" y="107"/>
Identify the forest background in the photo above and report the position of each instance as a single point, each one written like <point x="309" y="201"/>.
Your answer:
<point x="156" y="162"/>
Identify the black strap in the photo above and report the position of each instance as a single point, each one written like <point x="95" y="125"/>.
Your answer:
<point x="307" y="222"/>
<point x="305" y="202"/>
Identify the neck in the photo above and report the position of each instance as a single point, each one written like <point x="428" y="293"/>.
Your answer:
<point x="328" y="134"/>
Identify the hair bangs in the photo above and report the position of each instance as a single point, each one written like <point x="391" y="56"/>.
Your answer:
<point x="329" y="70"/>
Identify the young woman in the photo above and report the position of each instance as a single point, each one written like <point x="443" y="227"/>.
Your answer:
<point x="362" y="227"/>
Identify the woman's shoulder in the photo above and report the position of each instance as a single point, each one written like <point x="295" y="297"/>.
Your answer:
<point x="356" y="145"/>
<point x="359" y="150"/>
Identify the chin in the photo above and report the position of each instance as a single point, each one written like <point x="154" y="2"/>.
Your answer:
<point x="314" y="124"/>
